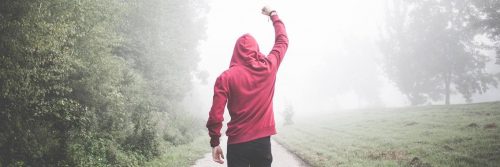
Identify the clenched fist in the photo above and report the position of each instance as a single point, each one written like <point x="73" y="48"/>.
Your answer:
<point x="268" y="11"/>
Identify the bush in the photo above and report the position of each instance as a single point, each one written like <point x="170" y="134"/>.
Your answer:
<point x="82" y="81"/>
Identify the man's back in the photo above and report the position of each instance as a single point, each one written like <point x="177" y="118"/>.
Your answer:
<point x="250" y="104"/>
<point x="248" y="89"/>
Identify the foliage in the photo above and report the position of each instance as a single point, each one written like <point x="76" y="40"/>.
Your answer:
<point x="430" y="51"/>
<point x="94" y="82"/>
<point x="453" y="135"/>
<point x="190" y="152"/>
<point x="485" y="18"/>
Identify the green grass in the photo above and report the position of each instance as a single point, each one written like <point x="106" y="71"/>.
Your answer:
<point x="182" y="155"/>
<point x="415" y="136"/>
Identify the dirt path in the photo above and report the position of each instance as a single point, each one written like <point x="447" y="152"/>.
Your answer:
<point x="281" y="158"/>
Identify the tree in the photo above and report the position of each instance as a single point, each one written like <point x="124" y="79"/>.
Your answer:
<point x="485" y="19"/>
<point x="288" y="114"/>
<point x="162" y="37"/>
<point x="83" y="84"/>
<point x="429" y="52"/>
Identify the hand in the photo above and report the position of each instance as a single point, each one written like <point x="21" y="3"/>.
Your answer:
<point x="217" y="154"/>
<point x="266" y="10"/>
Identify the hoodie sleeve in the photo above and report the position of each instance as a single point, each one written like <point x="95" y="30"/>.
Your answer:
<point x="280" y="42"/>
<point x="214" y="123"/>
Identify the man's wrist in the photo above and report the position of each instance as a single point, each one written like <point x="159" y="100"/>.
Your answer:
<point x="214" y="141"/>
<point x="272" y="13"/>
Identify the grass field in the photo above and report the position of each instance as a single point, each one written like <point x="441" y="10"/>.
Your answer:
<point x="456" y="135"/>
<point x="183" y="155"/>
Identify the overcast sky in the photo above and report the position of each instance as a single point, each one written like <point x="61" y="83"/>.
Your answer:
<point x="332" y="61"/>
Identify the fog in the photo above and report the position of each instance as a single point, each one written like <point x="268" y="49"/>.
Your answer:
<point x="333" y="62"/>
<point x="363" y="83"/>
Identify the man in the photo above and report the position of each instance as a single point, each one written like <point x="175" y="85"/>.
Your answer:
<point x="248" y="89"/>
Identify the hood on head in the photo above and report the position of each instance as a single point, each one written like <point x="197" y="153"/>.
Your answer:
<point x="246" y="53"/>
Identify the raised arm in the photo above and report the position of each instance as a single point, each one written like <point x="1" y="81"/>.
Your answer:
<point x="280" y="38"/>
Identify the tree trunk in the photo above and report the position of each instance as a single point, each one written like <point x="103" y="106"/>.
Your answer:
<point x="447" y="83"/>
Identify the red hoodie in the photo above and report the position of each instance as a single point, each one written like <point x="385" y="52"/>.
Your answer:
<point x="248" y="88"/>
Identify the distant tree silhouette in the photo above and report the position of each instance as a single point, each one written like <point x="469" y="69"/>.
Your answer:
<point x="288" y="114"/>
<point x="430" y="53"/>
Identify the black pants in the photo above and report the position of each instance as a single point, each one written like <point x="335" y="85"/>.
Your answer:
<point x="255" y="153"/>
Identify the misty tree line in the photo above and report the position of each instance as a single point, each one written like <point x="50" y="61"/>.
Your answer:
<point x="95" y="82"/>
<point x="435" y="48"/>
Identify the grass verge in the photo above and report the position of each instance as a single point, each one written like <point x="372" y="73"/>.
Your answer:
<point x="456" y="135"/>
<point x="182" y="155"/>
